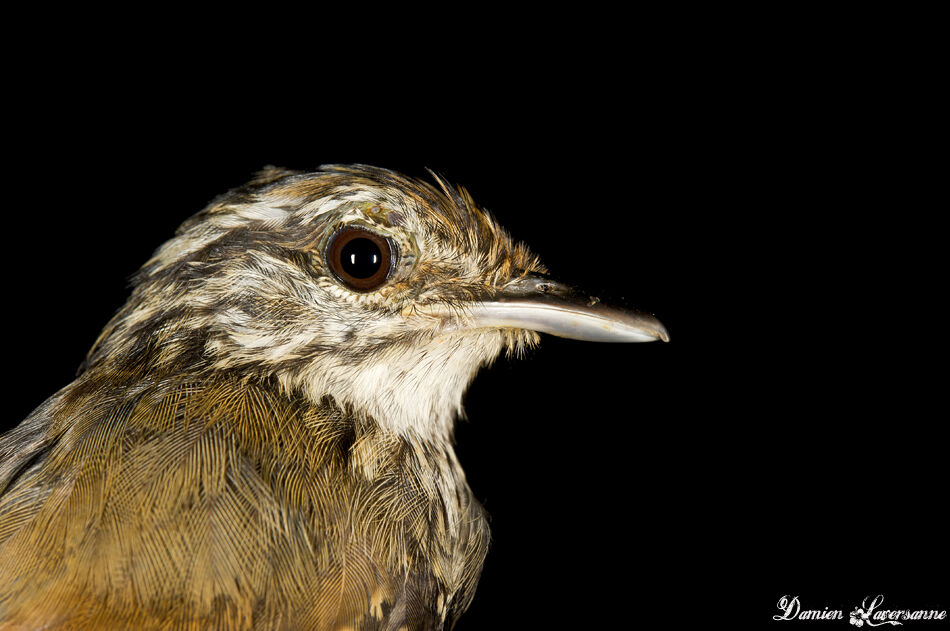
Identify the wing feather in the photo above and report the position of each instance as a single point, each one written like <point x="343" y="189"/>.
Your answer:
<point x="223" y="505"/>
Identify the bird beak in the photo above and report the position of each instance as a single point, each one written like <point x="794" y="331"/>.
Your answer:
<point x="540" y="304"/>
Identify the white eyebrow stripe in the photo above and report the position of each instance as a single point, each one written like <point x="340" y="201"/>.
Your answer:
<point x="264" y="212"/>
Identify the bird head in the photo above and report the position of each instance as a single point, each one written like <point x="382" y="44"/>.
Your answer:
<point x="382" y="292"/>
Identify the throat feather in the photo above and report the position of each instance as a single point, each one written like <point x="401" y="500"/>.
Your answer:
<point x="407" y="388"/>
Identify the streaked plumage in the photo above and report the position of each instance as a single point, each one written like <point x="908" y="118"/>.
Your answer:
<point x="250" y="444"/>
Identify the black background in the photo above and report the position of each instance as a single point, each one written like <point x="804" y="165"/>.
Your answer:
<point x="760" y="183"/>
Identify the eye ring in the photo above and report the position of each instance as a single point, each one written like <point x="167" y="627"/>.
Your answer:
<point x="360" y="259"/>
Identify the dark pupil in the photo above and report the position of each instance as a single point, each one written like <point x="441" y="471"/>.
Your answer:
<point x="361" y="258"/>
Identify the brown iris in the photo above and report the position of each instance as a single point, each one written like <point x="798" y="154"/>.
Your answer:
<point x="360" y="259"/>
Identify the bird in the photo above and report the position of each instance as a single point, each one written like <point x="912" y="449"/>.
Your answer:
<point x="262" y="435"/>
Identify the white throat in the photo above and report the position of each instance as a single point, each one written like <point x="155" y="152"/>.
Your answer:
<point x="409" y="389"/>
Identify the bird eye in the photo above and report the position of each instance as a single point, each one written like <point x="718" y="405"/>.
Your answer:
<point x="360" y="259"/>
